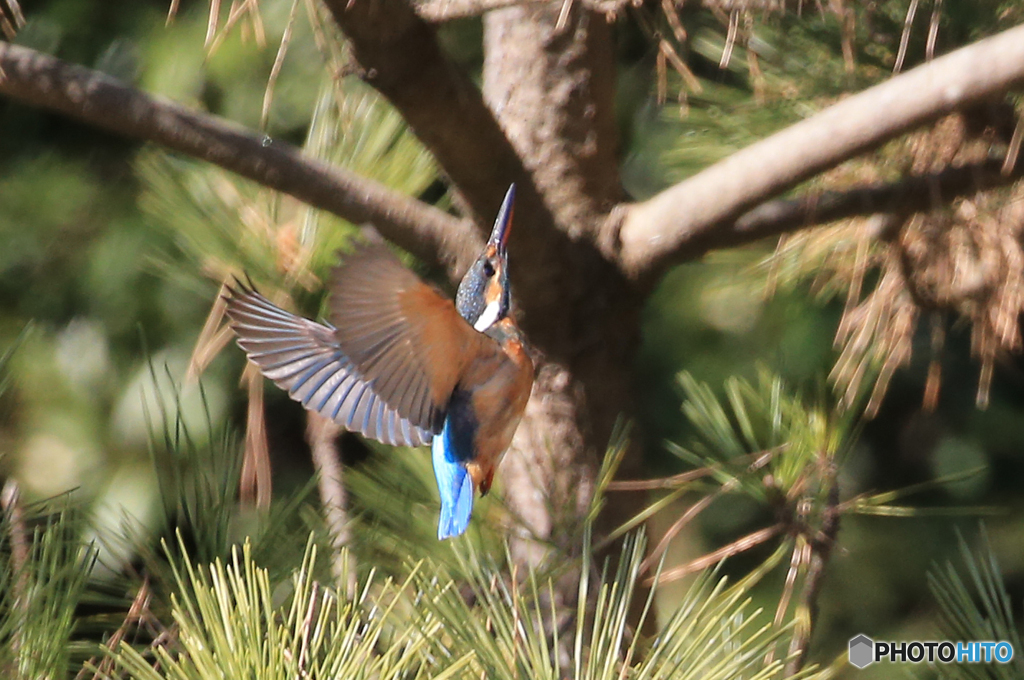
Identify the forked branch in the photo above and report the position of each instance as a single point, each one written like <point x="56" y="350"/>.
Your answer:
<point x="700" y="213"/>
<point x="398" y="54"/>
<point x="911" y="194"/>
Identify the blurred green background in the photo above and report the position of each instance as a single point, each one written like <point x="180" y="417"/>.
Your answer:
<point x="96" y="260"/>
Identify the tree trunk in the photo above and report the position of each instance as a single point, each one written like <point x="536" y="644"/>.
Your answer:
<point x="551" y="86"/>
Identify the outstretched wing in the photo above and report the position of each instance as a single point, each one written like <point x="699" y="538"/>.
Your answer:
<point x="304" y="358"/>
<point x="402" y="335"/>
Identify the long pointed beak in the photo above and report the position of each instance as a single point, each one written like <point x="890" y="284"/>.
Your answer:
<point x="503" y="223"/>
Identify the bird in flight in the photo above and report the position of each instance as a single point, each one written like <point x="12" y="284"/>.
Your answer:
<point x="403" y="365"/>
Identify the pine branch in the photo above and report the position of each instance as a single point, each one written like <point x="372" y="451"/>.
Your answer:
<point x="44" y="81"/>
<point x="322" y="434"/>
<point x="820" y="547"/>
<point x="912" y="194"/>
<point x="695" y="215"/>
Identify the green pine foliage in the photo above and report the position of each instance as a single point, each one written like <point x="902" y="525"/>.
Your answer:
<point x="230" y="624"/>
<point x="43" y="574"/>
<point x="221" y="591"/>
<point x="762" y="417"/>
<point x="218" y="590"/>
<point x="975" y="605"/>
<point x="220" y="594"/>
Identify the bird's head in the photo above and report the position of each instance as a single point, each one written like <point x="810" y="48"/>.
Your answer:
<point x="483" y="298"/>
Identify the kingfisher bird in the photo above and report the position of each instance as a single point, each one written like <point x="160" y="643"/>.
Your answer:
<point x="403" y="365"/>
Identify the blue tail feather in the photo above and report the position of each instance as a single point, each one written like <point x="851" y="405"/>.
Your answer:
<point x="455" y="487"/>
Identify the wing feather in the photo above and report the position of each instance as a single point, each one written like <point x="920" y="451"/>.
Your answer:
<point x="406" y="339"/>
<point x="304" y="358"/>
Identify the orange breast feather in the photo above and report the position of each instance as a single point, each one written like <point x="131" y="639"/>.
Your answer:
<point x="500" y="384"/>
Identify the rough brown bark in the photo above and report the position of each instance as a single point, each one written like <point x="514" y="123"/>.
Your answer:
<point x="541" y="83"/>
<point x="551" y="86"/>
<point x="398" y="54"/>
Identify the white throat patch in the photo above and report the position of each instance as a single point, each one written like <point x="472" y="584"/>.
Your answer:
<point x="488" y="318"/>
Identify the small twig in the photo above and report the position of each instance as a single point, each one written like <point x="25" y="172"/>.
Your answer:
<point x="563" y="17"/>
<point x="10" y="498"/>
<point x="172" y="12"/>
<point x="848" y="29"/>
<point x="326" y="47"/>
<point x="256" y="484"/>
<point x="668" y="8"/>
<point x="440" y="11"/>
<point x="1013" y="150"/>
<point x="661" y="71"/>
<point x="933" y="30"/>
<point x="10" y="502"/>
<point x="275" y="71"/>
<point x="736" y="547"/>
<point x="322" y="433"/>
<point x="680" y="66"/>
<point x="672" y="482"/>
<point x="137" y="614"/>
<point x="795" y="564"/>
<point x="933" y="382"/>
<point x="234" y="15"/>
<point x="820" y="548"/>
<point x="757" y="78"/>
<point x="6" y="27"/>
<point x="683" y="520"/>
<point x="256" y="21"/>
<point x="211" y="25"/>
<point x="19" y="16"/>
<point x="757" y="461"/>
<point x="214" y="336"/>
<point x="908" y="23"/>
<point x="730" y="39"/>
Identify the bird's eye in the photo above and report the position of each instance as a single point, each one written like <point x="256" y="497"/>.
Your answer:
<point x="488" y="268"/>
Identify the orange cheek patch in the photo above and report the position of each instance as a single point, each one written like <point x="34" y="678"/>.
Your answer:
<point x="493" y="293"/>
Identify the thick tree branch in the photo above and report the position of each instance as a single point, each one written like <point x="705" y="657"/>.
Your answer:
<point x="439" y="11"/>
<point x="399" y="55"/>
<point x="912" y="194"/>
<point x="699" y="213"/>
<point x="90" y="96"/>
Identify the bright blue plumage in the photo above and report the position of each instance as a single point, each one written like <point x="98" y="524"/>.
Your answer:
<point x="454" y="485"/>
<point x="451" y="449"/>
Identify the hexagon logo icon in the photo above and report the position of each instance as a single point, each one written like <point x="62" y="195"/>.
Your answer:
<point x="862" y="651"/>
